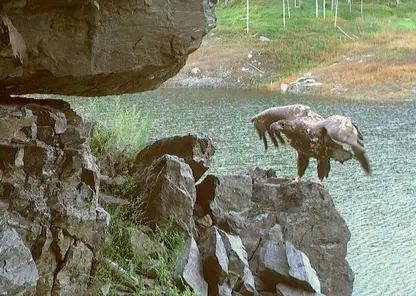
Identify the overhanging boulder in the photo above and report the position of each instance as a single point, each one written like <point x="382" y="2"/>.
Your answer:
<point x="95" y="48"/>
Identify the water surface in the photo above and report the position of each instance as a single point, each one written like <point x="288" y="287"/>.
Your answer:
<point x="379" y="209"/>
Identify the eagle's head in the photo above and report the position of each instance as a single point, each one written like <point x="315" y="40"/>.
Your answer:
<point x="283" y="126"/>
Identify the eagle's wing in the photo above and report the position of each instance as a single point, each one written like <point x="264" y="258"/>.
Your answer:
<point x="261" y="123"/>
<point x="264" y="119"/>
<point x="342" y="130"/>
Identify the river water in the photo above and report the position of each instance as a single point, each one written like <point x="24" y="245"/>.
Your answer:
<point x="379" y="209"/>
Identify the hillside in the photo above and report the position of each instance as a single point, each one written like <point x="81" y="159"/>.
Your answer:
<point x="376" y="60"/>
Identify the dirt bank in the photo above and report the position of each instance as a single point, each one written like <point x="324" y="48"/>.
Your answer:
<point x="381" y="68"/>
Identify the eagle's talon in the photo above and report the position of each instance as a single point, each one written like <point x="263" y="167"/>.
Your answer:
<point x="297" y="180"/>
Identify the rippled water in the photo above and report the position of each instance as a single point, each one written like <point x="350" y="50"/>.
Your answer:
<point x="379" y="209"/>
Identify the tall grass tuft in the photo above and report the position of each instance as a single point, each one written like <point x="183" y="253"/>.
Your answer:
<point x="117" y="129"/>
<point x="167" y="243"/>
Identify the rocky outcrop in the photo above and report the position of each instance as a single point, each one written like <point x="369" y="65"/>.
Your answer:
<point x="49" y="196"/>
<point x="256" y="234"/>
<point x="288" y="231"/>
<point x="195" y="149"/>
<point x="188" y="270"/>
<point x="93" y="48"/>
<point x="18" y="273"/>
<point x="305" y="84"/>
<point x="167" y="191"/>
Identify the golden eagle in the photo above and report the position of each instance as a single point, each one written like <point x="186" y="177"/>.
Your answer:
<point x="320" y="138"/>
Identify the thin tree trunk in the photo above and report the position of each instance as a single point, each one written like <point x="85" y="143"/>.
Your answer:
<point x="349" y="5"/>
<point x="336" y="13"/>
<point x="324" y="9"/>
<point x="332" y="5"/>
<point x="317" y="8"/>
<point x="362" y="6"/>
<point x="388" y="3"/>
<point x="397" y="2"/>
<point x="284" y="13"/>
<point x="288" y="8"/>
<point x="247" y="16"/>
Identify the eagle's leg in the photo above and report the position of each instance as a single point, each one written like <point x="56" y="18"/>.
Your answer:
<point x="324" y="167"/>
<point x="302" y="164"/>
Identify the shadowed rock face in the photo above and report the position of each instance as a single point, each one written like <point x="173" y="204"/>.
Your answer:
<point x="95" y="48"/>
<point x="51" y="224"/>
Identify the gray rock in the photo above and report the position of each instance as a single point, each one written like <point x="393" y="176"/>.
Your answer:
<point x="227" y="197"/>
<point x="73" y="277"/>
<point x="238" y="263"/>
<point x="286" y="290"/>
<point x="264" y="39"/>
<point x="50" y="191"/>
<point x="215" y="260"/>
<point x="195" y="149"/>
<point x="168" y="192"/>
<point x="259" y="175"/>
<point x="11" y="125"/>
<point x="46" y="116"/>
<point x="309" y="220"/>
<point x="140" y="242"/>
<point x="63" y="243"/>
<point x="301" y="269"/>
<point x="273" y="266"/>
<point x="189" y="269"/>
<point x="56" y="60"/>
<point x="18" y="272"/>
<point x="204" y="222"/>
<point x="45" y="134"/>
<point x="224" y="289"/>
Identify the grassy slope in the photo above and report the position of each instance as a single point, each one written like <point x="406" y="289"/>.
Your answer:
<point x="307" y="42"/>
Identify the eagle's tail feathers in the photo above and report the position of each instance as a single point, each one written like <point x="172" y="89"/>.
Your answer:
<point x="360" y="155"/>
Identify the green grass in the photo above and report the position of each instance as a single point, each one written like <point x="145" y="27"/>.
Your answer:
<point x="118" y="249"/>
<point x="122" y="130"/>
<point x="117" y="129"/>
<point x="307" y="41"/>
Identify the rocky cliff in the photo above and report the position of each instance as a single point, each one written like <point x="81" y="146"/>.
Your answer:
<point x="249" y="233"/>
<point x="51" y="225"/>
<point x="94" y="47"/>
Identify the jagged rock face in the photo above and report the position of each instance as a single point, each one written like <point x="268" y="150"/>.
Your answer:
<point x="95" y="48"/>
<point x="256" y="234"/>
<point x="167" y="191"/>
<point x="195" y="149"/>
<point x="188" y="269"/>
<point x="226" y="197"/>
<point x="18" y="272"/>
<point x="292" y="233"/>
<point x="49" y="192"/>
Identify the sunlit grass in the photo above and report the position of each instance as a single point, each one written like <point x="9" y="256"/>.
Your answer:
<point x="118" y="128"/>
<point x="306" y="41"/>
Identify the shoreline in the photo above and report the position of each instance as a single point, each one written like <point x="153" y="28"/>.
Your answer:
<point x="359" y="74"/>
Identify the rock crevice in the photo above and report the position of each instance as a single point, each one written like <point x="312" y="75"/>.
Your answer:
<point x="255" y="234"/>
<point x="48" y="202"/>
